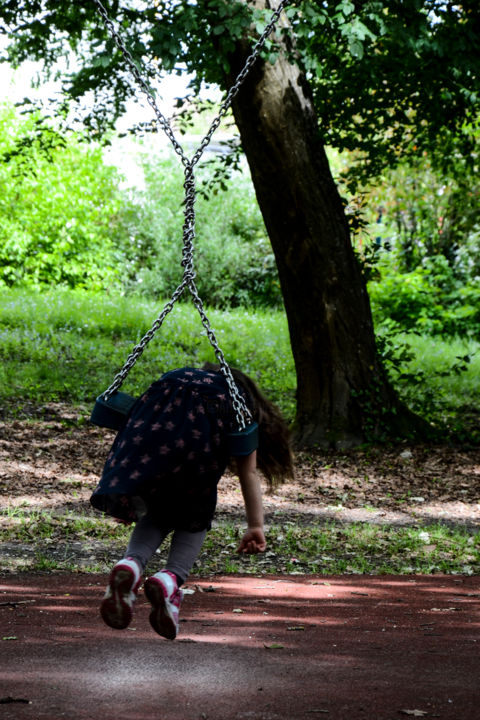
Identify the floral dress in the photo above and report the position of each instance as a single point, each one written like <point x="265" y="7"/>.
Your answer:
<point x="170" y="453"/>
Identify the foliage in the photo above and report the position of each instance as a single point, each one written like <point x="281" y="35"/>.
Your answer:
<point x="424" y="212"/>
<point x="419" y="246"/>
<point x="59" y="207"/>
<point x="392" y="77"/>
<point x="427" y="300"/>
<point x="234" y="260"/>
<point x="67" y="345"/>
<point x="387" y="75"/>
<point x="65" y="221"/>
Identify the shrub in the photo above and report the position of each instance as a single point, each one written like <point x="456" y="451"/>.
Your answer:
<point x="425" y="302"/>
<point x="59" y="208"/>
<point x="233" y="257"/>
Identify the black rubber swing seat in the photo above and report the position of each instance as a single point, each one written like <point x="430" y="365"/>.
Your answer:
<point x="243" y="442"/>
<point x="111" y="413"/>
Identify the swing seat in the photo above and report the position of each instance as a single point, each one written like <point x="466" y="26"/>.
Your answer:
<point x="111" y="413"/>
<point x="243" y="442"/>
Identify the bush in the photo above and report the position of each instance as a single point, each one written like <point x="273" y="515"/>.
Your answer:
<point x="422" y="210"/>
<point x="65" y="222"/>
<point x="233" y="257"/>
<point x="426" y="301"/>
<point x="59" y="208"/>
<point x="424" y="219"/>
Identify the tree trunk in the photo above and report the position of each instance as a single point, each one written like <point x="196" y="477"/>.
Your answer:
<point x="339" y="378"/>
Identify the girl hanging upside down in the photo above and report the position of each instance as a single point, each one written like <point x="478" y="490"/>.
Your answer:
<point x="162" y="473"/>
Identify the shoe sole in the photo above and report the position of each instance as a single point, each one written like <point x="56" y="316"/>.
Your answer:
<point x="116" y="612"/>
<point x="160" y="617"/>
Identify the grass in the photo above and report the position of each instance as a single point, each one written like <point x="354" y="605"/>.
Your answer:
<point x="91" y="542"/>
<point x="68" y="345"/>
<point x="338" y="548"/>
<point x="440" y="382"/>
<point x="65" y="345"/>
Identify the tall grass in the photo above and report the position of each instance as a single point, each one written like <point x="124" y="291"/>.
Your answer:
<point x="66" y="345"/>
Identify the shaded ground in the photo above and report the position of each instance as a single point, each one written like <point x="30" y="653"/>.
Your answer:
<point x="250" y="648"/>
<point x="55" y="463"/>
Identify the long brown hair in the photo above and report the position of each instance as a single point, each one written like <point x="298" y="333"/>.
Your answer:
<point x="274" y="454"/>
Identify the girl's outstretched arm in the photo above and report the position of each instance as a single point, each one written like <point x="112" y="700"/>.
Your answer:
<point x="253" y="540"/>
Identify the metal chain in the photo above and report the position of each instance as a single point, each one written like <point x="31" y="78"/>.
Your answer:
<point x="240" y="79"/>
<point x="163" y="121"/>
<point x="242" y="413"/>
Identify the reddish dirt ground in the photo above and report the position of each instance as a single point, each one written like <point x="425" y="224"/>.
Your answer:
<point x="249" y="648"/>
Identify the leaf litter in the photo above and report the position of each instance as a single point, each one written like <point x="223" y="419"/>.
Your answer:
<point x="52" y="460"/>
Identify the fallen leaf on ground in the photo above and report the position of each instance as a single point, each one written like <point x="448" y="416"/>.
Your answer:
<point x="414" y="713"/>
<point x="10" y="699"/>
<point x="318" y="711"/>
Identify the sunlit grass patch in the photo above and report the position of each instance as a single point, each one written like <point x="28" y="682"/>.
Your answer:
<point x="70" y="541"/>
<point x="338" y="548"/>
<point x="22" y="524"/>
<point x="68" y="345"/>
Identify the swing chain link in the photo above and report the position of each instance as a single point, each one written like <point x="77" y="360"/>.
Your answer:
<point x="189" y="225"/>
<point x="162" y="120"/>
<point x="242" y="412"/>
<point x="233" y="91"/>
<point x="140" y="347"/>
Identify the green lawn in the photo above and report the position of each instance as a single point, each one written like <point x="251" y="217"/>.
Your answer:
<point x="66" y="345"/>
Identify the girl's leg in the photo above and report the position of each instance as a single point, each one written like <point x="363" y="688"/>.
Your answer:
<point x="146" y="538"/>
<point x="184" y="550"/>
<point x="117" y="605"/>
<point x="162" y="589"/>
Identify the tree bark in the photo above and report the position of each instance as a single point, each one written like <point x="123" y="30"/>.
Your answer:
<point x="339" y="377"/>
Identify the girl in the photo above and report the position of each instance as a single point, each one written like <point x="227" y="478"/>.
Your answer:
<point x="162" y="473"/>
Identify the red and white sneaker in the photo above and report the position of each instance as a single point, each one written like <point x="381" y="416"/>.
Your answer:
<point x="117" y="605"/>
<point x="165" y="598"/>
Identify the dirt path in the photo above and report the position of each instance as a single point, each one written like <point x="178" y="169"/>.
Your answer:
<point x="276" y="648"/>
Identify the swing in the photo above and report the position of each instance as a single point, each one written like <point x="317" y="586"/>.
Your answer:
<point x="112" y="406"/>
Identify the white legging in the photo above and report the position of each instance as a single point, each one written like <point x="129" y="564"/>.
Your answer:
<point x="147" y="536"/>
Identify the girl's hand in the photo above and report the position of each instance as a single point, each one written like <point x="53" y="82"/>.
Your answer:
<point x="253" y="541"/>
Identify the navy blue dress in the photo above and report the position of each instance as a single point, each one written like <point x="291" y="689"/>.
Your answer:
<point x="171" y="452"/>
